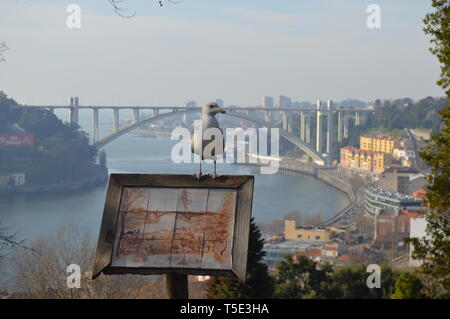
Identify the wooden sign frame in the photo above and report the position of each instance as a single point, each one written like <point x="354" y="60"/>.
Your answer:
<point x="117" y="182"/>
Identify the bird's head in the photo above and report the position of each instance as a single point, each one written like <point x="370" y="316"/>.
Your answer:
<point x="212" y="108"/>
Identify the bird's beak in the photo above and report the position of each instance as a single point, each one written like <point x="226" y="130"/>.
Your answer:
<point x="221" y="111"/>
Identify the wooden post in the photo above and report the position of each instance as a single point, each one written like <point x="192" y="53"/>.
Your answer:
<point x="177" y="286"/>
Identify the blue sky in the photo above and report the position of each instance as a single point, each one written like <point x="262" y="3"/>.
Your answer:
<point x="204" y="49"/>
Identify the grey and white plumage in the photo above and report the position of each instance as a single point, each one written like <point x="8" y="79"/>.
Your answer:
<point x="198" y="144"/>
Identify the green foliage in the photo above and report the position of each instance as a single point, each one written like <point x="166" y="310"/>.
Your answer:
<point x="407" y="286"/>
<point x="435" y="250"/>
<point x="351" y="283"/>
<point x="102" y="158"/>
<point x="258" y="283"/>
<point x="300" y="278"/>
<point x="403" y="113"/>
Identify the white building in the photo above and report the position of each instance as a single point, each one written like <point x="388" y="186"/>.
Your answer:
<point x="417" y="230"/>
<point x="19" y="179"/>
<point x="267" y="102"/>
<point x="189" y="117"/>
<point x="16" y="179"/>
<point x="4" y="179"/>
<point x="284" y="101"/>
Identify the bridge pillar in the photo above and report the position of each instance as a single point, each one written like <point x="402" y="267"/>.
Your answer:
<point x="155" y="112"/>
<point x="302" y="126"/>
<point x="345" y="124"/>
<point x="290" y="123"/>
<point x="285" y="120"/>
<point x="318" y="129"/>
<point x="95" y="132"/>
<point x="308" y="128"/>
<point x="340" y="120"/>
<point x="52" y="109"/>
<point x="267" y="116"/>
<point x="363" y="118"/>
<point x="357" y="118"/>
<point x="116" y="120"/>
<point x="135" y="115"/>
<point x="74" y="104"/>
<point x="329" y="130"/>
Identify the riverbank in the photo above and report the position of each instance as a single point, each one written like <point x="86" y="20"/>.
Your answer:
<point x="326" y="175"/>
<point x="99" y="179"/>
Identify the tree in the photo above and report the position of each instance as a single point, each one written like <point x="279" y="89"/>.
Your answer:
<point x="258" y="283"/>
<point x="435" y="249"/>
<point x="300" y="277"/>
<point x="350" y="282"/>
<point x="407" y="286"/>
<point x="102" y="158"/>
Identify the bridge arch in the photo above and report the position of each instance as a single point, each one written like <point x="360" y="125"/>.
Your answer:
<point x="318" y="159"/>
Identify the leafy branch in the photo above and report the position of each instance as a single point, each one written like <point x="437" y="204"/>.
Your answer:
<point x="121" y="11"/>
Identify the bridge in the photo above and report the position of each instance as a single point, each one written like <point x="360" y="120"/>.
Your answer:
<point x="323" y="142"/>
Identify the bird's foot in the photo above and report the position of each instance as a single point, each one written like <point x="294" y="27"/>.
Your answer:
<point x="198" y="175"/>
<point x="216" y="176"/>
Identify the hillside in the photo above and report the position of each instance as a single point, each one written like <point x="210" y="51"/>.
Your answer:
<point x="60" y="154"/>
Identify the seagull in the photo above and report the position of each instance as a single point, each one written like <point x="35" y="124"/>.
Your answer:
<point x="208" y="118"/>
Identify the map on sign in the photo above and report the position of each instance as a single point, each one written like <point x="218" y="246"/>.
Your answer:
<point x="175" y="228"/>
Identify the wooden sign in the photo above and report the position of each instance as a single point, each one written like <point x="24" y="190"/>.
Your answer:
<point x="157" y="224"/>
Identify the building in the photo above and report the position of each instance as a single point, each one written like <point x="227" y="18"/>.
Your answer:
<point x="364" y="160"/>
<point x="399" y="152"/>
<point x="392" y="227"/>
<point x="267" y="102"/>
<point x="384" y="144"/>
<point x="284" y="101"/>
<point x="219" y="102"/>
<point x="377" y="199"/>
<point x="18" y="178"/>
<point x="4" y="180"/>
<point x="187" y="118"/>
<point x="291" y="231"/>
<point x="277" y="250"/>
<point x="417" y="230"/>
<point x="12" y="179"/>
<point x="403" y="180"/>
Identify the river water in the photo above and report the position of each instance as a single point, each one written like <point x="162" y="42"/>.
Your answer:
<point x="31" y="216"/>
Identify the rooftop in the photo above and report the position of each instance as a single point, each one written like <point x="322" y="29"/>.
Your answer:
<point x="390" y="194"/>
<point x="292" y="245"/>
<point x="360" y="151"/>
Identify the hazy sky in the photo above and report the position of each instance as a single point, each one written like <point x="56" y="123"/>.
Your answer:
<point x="202" y="49"/>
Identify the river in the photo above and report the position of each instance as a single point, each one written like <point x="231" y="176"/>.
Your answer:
<point x="31" y="216"/>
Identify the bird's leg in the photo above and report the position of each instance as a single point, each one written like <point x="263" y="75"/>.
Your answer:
<point x="199" y="175"/>
<point x="215" y="175"/>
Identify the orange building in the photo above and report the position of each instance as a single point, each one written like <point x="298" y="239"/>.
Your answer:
<point x="384" y="144"/>
<point x="370" y="161"/>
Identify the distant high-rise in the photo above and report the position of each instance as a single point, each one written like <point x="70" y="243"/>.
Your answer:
<point x="190" y="104"/>
<point x="284" y="101"/>
<point x="219" y="102"/>
<point x="267" y="101"/>
<point x="189" y="117"/>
